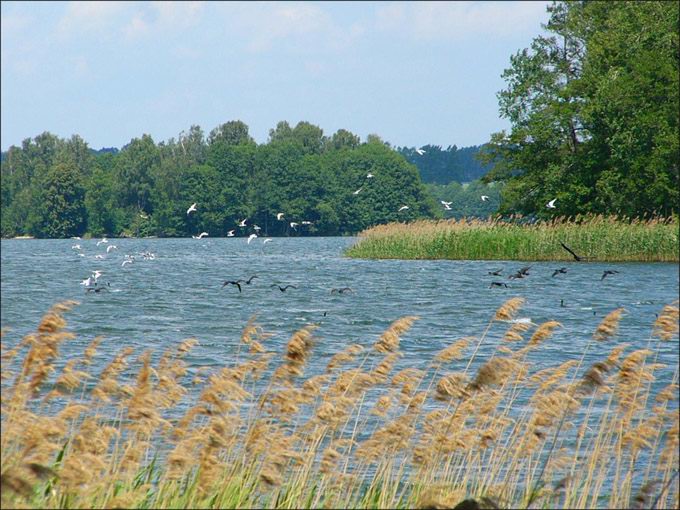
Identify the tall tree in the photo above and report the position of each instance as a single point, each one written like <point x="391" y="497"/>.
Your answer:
<point x="233" y="132"/>
<point x="63" y="202"/>
<point x="593" y="108"/>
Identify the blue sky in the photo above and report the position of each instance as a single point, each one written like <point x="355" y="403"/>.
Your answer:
<point x="414" y="73"/>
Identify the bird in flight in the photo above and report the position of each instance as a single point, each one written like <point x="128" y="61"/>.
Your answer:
<point x="293" y="225"/>
<point x="576" y="257"/>
<point x="200" y="236"/>
<point x="420" y="151"/>
<point x="127" y="261"/>
<point x="403" y="208"/>
<point x="341" y="291"/>
<point x="97" y="289"/>
<point x="229" y="282"/>
<point x="485" y="198"/>
<point x="250" y="279"/>
<point x="251" y="237"/>
<point x="369" y="175"/>
<point x="495" y="273"/>
<point x="498" y="284"/>
<point x="282" y="289"/>
<point x="243" y="223"/>
<point x="104" y="240"/>
<point x="279" y="216"/>
<point x="607" y="273"/>
<point x="357" y="191"/>
<point x="551" y="204"/>
<point x="191" y="209"/>
<point x="112" y="247"/>
<point x="76" y="247"/>
<point x="265" y="241"/>
<point x="447" y="205"/>
<point x="256" y="228"/>
<point x="525" y="270"/>
<point x="562" y="270"/>
<point x="305" y="222"/>
<point x="230" y="233"/>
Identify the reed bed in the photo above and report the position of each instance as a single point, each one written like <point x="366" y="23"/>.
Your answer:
<point x="369" y="432"/>
<point x="598" y="238"/>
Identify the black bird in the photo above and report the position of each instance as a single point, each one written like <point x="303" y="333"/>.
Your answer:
<point x="237" y="283"/>
<point x="525" y="270"/>
<point x="282" y="289"/>
<point x="608" y="272"/>
<point x="341" y="291"/>
<point x="576" y="257"/>
<point x="562" y="270"/>
<point x="518" y="274"/>
<point x="562" y="303"/>
<point x="96" y="289"/>
<point x="498" y="284"/>
<point x="495" y="273"/>
<point x="251" y="279"/>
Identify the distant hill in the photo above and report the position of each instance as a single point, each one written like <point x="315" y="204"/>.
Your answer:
<point x="105" y="150"/>
<point x="443" y="166"/>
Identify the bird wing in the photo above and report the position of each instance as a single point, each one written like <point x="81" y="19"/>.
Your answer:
<point x="569" y="250"/>
<point x="239" y="286"/>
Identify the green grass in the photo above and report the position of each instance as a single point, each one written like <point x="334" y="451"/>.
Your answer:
<point x="597" y="238"/>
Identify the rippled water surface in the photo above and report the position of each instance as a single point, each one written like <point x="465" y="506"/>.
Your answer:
<point x="153" y="304"/>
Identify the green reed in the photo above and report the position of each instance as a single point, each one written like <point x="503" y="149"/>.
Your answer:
<point x="597" y="238"/>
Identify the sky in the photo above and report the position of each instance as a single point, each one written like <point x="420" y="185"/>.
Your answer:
<point x="415" y="73"/>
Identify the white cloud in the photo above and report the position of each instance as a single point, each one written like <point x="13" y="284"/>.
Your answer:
<point x="83" y="17"/>
<point x="459" y="20"/>
<point x="163" y="18"/>
<point x="296" y="25"/>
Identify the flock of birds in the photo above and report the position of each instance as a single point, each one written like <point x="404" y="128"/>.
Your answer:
<point x="524" y="271"/>
<point x="92" y="283"/>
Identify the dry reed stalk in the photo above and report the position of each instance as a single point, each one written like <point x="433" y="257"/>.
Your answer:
<point x="508" y="309"/>
<point x="494" y="371"/>
<point x="514" y="333"/>
<point x="543" y="332"/>
<point x="453" y="351"/>
<point x="666" y="324"/>
<point x="609" y="325"/>
<point x="389" y="340"/>
<point x="91" y="350"/>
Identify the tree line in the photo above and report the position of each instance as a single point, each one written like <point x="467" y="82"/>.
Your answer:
<point x="57" y="188"/>
<point x="444" y="166"/>
<point x="593" y="106"/>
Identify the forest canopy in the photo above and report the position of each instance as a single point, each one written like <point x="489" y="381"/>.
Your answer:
<point x="593" y="106"/>
<point x="53" y="187"/>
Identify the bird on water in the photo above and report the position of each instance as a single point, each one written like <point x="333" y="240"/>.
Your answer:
<point x="341" y="291"/>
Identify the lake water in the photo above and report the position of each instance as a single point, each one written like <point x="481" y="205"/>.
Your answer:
<point x="156" y="303"/>
<point x="153" y="304"/>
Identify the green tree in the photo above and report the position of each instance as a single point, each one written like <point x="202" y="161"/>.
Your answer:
<point x="63" y="202"/>
<point x="343" y="139"/>
<point x="593" y="108"/>
<point x="233" y="132"/>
